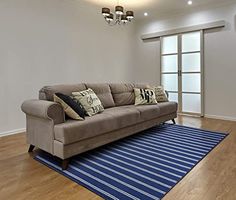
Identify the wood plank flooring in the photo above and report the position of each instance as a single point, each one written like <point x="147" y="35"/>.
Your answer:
<point x="23" y="178"/>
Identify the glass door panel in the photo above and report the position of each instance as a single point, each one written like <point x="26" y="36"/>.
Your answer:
<point x="191" y="82"/>
<point x="191" y="103"/>
<point x="191" y="79"/>
<point x="191" y="62"/>
<point x="170" y="63"/>
<point x="191" y="42"/>
<point x="170" y="82"/>
<point x="170" y="45"/>
<point x="181" y="70"/>
<point x="173" y="97"/>
<point x="170" y="66"/>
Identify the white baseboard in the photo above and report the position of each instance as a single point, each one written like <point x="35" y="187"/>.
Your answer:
<point x="221" y="117"/>
<point x="12" y="132"/>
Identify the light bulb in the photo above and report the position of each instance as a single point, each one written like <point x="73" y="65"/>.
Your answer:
<point x="190" y="2"/>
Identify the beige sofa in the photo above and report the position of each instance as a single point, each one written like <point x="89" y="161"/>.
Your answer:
<point x="48" y="129"/>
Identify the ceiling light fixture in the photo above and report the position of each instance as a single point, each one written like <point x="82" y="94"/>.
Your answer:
<point x="145" y="14"/>
<point x="190" y="2"/>
<point x="120" y="17"/>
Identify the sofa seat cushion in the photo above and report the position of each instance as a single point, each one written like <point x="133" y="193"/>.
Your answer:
<point x="73" y="131"/>
<point x="110" y="120"/>
<point x="124" y="115"/>
<point x="148" y="112"/>
<point x="167" y="107"/>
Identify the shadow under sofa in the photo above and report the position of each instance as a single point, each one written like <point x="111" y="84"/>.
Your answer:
<point x="48" y="129"/>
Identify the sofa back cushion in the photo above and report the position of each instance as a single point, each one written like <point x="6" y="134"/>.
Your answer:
<point x="114" y="94"/>
<point x="123" y="94"/>
<point x="103" y="91"/>
<point x="47" y="92"/>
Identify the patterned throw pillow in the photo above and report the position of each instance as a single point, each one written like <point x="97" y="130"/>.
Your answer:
<point x="144" y="96"/>
<point x="160" y="94"/>
<point x="89" y="101"/>
<point x="72" y="109"/>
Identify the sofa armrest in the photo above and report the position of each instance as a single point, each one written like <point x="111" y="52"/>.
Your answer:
<point x="45" y="110"/>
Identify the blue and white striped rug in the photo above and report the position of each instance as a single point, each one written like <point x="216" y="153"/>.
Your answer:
<point x="143" y="166"/>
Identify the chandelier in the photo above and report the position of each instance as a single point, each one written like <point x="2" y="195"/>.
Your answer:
<point x="119" y="17"/>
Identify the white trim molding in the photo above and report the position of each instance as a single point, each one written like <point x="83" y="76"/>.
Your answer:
<point x="12" y="132"/>
<point x="227" y="118"/>
<point x="206" y="26"/>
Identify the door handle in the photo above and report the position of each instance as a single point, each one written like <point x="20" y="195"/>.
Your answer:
<point x="179" y="73"/>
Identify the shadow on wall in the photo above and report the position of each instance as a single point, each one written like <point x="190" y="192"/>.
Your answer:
<point x="151" y="40"/>
<point x="235" y="23"/>
<point x="227" y="27"/>
<point x="215" y="30"/>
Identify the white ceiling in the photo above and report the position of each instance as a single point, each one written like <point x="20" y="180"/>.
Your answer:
<point x="157" y="7"/>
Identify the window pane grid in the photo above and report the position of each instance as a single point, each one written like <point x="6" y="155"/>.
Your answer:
<point x="170" y="73"/>
<point x="197" y="72"/>
<point x="189" y="52"/>
<point x="183" y="80"/>
<point x="171" y="91"/>
<point x="191" y="92"/>
<point x="169" y="54"/>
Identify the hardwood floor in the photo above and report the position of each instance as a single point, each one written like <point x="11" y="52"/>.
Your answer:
<point x="21" y="177"/>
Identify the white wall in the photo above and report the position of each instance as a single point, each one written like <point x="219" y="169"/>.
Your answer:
<point x="220" y="56"/>
<point x="44" y="42"/>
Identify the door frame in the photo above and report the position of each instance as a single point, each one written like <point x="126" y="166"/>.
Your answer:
<point x="179" y="72"/>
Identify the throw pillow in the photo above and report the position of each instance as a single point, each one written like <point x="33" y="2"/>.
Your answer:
<point x="89" y="100"/>
<point x="144" y="96"/>
<point x="72" y="109"/>
<point x="160" y="94"/>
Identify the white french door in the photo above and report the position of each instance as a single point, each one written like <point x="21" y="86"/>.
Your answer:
<point x="182" y="70"/>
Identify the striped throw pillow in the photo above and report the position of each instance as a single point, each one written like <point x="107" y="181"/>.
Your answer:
<point x="144" y="96"/>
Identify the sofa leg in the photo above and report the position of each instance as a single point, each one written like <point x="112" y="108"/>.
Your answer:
<point x="31" y="148"/>
<point x="65" y="163"/>
<point x="173" y="120"/>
